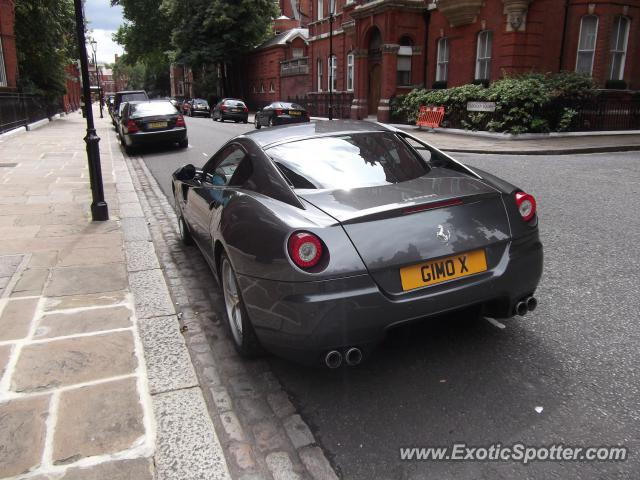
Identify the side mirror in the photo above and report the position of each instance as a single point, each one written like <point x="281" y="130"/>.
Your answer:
<point x="186" y="173"/>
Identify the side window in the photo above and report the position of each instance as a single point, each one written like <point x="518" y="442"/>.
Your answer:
<point x="223" y="172"/>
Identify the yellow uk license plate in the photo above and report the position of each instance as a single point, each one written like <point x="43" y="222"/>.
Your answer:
<point x="443" y="269"/>
<point x="158" y="125"/>
<point x="294" y="113"/>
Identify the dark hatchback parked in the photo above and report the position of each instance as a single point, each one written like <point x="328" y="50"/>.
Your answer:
<point x="280" y="113"/>
<point x="230" y="109"/>
<point x="150" y="123"/>
<point x="325" y="235"/>
<point x="197" y="107"/>
<point x="125" y="96"/>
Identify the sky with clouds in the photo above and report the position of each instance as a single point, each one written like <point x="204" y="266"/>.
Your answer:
<point x="103" y="20"/>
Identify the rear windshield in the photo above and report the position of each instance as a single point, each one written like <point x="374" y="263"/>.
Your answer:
<point x="348" y="161"/>
<point x="132" y="97"/>
<point x="234" y="103"/>
<point x="153" y="108"/>
<point x="289" y="106"/>
<point x="201" y="102"/>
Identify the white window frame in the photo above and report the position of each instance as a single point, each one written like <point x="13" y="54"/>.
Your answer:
<point x="332" y="69"/>
<point x="320" y="10"/>
<point x="350" y="71"/>
<point x="484" y="50"/>
<point x="319" y="73"/>
<point x="617" y="49"/>
<point x="3" y="69"/>
<point x="405" y="51"/>
<point x="272" y="88"/>
<point x="591" y="51"/>
<point x="442" y="60"/>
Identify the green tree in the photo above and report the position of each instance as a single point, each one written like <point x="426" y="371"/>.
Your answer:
<point x="131" y="75"/>
<point x="146" y="37"/>
<point x="43" y="52"/>
<point x="217" y="32"/>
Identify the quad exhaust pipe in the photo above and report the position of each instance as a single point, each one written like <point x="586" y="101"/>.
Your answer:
<point x="333" y="359"/>
<point x="352" y="357"/>
<point x="532" y="303"/>
<point x="529" y="304"/>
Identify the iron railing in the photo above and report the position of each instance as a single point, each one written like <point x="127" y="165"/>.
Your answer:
<point x="317" y="104"/>
<point x="20" y="109"/>
<point x="606" y="111"/>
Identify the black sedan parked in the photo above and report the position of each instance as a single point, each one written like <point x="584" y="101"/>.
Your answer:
<point x="151" y="122"/>
<point x="325" y="235"/>
<point x="230" y="109"/>
<point x="197" y="107"/>
<point x="280" y="113"/>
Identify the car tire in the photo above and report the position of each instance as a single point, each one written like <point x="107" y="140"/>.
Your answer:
<point x="256" y="123"/>
<point x="245" y="121"/>
<point x="129" y="150"/>
<point x="243" y="335"/>
<point x="237" y="121"/>
<point x="184" y="143"/>
<point x="185" y="234"/>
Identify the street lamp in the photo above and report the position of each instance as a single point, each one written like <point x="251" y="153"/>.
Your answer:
<point x="99" y="208"/>
<point x="94" y="47"/>
<point x="332" y="6"/>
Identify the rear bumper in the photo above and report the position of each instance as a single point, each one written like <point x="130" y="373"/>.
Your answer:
<point x="285" y="120"/>
<point x="204" y="113"/>
<point x="240" y="116"/>
<point x="147" y="138"/>
<point x="301" y="321"/>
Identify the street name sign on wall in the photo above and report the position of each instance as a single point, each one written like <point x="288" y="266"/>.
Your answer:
<point x="481" y="106"/>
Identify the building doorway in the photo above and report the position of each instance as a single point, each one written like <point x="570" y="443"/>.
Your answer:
<point x="374" y="88"/>
<point x="375" y="69"/>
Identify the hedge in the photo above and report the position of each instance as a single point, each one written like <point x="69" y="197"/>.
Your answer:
<point x="529" y="103"/>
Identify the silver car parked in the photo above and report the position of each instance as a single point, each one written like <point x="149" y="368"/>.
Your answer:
<point x="325" y="235"/>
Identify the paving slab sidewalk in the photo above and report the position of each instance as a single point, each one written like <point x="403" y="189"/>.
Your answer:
<point x="95" y="378"/>
<point x="541" y="146"/>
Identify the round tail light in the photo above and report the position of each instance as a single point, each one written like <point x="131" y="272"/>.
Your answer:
<point x="526" y="205"/>
<point x="305" y="249"/>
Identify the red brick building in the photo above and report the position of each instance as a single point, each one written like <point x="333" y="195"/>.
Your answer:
<point x="383" y="48"/>
<point x="181" y="80"/>
<point x="8" y="58"/>
<point x="71" y="99"/>
<point x="279" y="68"/>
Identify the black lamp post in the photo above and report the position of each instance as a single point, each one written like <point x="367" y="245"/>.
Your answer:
<point x="94" y="47"/>
<point x="99" y="208"/>
<point x="332" y="4"/>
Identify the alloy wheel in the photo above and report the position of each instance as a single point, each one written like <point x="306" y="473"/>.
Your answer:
<point x="232" y="301"/>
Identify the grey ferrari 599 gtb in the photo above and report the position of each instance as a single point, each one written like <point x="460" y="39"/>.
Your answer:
<point x="325" y="235"/>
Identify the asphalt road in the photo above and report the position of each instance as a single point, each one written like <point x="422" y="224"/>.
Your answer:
<point x="205" y="138"/>
<point x="568" y="373"/>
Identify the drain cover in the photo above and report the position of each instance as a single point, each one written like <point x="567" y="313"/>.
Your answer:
<point x="8" y="165"/>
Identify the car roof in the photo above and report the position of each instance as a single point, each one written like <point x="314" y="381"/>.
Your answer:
<point x="155" y="100"/>
<point x="300" y="131"/>
<point x="131" y="91"/>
